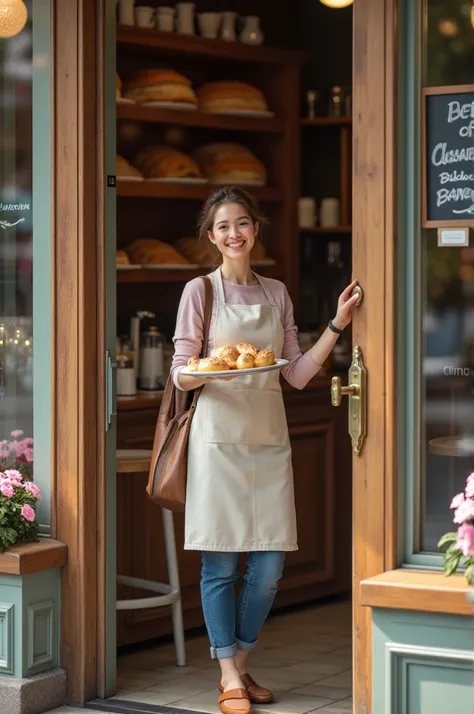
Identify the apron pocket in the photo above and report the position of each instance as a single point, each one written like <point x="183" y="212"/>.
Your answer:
<point x="246" y="416"/>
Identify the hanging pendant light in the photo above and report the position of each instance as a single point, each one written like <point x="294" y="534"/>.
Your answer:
<point x="336" y="4"/>
<point x="13" y="17"/>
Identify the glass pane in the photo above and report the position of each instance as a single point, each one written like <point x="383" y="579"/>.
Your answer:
<point x="447" y="304"/>
<point x="16" y="251"/>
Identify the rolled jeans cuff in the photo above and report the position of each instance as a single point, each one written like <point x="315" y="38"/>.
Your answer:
<point x="224" y="652"/>
<point x="246" y="646"/>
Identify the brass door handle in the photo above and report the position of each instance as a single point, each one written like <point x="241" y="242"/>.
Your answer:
<point x="357" y="393"/>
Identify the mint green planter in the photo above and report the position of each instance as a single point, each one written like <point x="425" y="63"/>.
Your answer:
<point x="422" y="663"/>
<point x="29" y="623"/>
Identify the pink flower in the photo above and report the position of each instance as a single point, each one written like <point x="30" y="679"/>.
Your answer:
<point x="14" y="476"/>
<point x="17" y="433"/>
<point x="457" y="500"/>
<point x="465" y="540"/>
<point x="470" y="486"/>
<point x="29" y="454"/>
<point x="464" y="512"/>
<point x="6" y="489"/>
<point x="28" y="513"/>
<point x="33" y="488"/>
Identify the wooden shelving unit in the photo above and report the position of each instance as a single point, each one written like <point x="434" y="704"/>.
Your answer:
<point x="142" y="113"/>
<point x="196" y="192"/>
<point x="143" y="275"/>
<point x="319" y="230"/>
<point x="327" y="121"/>
<point x="170" y="43"/>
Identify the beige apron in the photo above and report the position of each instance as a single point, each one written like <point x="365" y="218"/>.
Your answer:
<point x="240" y="481"/>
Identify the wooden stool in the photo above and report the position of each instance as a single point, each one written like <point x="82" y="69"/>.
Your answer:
<point x="138" y="461"/>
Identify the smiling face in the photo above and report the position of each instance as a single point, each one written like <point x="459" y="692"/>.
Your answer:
<point x="233" y="231"/>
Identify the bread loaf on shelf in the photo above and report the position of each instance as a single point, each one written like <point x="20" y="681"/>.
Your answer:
<point x="124" y="169"/>
<point x="231" y="95"/>
<point x="121" y="258"/>
<point x="118" y="86"/>
<point x="164" y="162"/>
<point x="159" y="85"/>
<point x="227" y="162"/>
<point x="148" y="251"/>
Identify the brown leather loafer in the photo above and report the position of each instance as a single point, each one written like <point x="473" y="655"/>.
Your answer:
<point x="256" y="694"/>
<point x="239" y="694"/>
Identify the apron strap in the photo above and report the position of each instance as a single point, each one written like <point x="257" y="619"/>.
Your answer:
<point x="268" y="295"/>
<point x="220" y="289"/>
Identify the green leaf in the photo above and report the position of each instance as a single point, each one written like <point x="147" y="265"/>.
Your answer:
<point x="451" y="563"/>
<point x="470" y="574"/>
<point x="453" y="548"/>
<point x="447" y="538"/>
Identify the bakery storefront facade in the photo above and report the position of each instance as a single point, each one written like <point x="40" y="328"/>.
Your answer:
<point x="77" y="286"/>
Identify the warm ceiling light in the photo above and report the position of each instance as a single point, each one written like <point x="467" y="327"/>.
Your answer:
<point x="336" y="4"/>
<point x="448" y="27"/>
<point x="13" y="17"/>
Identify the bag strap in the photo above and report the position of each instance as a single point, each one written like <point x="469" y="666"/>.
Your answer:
<point x="168" y="403"/>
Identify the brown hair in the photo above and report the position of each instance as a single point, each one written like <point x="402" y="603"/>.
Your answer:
<point x="229" y="194"/>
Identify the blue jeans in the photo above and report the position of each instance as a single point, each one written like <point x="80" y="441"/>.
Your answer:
<point x="230" y="625"/>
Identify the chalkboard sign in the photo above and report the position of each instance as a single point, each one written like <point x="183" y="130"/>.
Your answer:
<point x="448" y="156"/>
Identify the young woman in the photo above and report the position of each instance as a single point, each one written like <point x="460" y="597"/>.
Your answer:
<point x="240" y="483"/>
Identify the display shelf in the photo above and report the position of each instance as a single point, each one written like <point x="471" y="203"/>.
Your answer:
<point x="154" y="115"/>
<point x="197" y="192"/>
<point x="157" y="42"/>
<point x="327" y="121"/>
<point x="142" y="275"/>
<point x="323" y="231"/>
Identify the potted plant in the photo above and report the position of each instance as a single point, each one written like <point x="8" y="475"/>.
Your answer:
<point x="460" y="543"/>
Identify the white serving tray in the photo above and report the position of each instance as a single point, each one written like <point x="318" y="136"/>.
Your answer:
<point x="279" y="364"/>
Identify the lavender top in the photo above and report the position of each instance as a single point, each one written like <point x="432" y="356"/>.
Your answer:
<point x="189" y="326"/>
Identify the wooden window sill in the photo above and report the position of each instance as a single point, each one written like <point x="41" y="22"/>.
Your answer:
<point x="33" y="557"/>
<point x="420" y="590"/>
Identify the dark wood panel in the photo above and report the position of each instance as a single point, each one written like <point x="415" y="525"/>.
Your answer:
<point x="321" y="459"/>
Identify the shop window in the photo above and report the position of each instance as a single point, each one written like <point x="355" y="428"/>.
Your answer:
<point x="436" y="289"/>
<point x="25" y="169"/>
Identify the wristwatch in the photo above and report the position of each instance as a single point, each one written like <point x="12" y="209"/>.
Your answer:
<point x="334" y="328"/>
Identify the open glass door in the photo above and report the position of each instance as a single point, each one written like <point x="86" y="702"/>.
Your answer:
<point x="107" y="648"/>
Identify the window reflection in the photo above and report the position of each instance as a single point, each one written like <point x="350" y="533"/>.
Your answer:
<point x="16" y="247"/>
<point x="447" y="306"/>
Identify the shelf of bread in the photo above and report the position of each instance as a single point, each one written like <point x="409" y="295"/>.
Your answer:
<point x="206" y="120"/>
<point x="171" y="43"/>
<point x="148" y="260"/>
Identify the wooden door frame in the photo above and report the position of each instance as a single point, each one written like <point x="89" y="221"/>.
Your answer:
<point x="78" y="243"/>
<point x="374" y="204"/>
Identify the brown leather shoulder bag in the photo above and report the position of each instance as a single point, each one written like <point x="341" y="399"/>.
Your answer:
<point x="169" y="462"/>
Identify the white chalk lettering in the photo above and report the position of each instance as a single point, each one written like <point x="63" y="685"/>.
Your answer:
<point x="455" y="176"/>
<point x="453" y="195"/>
<point x="456" y="111"/>
<point x="441" y="155"/>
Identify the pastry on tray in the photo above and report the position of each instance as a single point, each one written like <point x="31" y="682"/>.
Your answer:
<point x="148" y="251"/>
<point x="124" y="169"/>
<point x="231" y="95"/>
<point x="227" y="162"/>
<point x="228" y="354"/>
<point x="164" y="162"/>
<point x="244" y="348"/>
<point x="121" y="258"/>
<point x="159" y="85"/>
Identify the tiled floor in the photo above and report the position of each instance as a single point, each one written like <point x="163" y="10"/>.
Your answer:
<point x="304" y="657"/>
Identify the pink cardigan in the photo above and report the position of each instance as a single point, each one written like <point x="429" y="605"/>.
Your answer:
<point x="189" y="326"/>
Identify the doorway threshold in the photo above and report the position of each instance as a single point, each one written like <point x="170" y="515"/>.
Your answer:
<point x="122" y="706"/>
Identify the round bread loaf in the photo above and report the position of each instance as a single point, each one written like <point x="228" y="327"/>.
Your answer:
<point x="147" y="251"/>
<point x="124" y="169"/>
<point x="212" y="364"/>
<point x="121" y="258"/>
<point x="229" y="95"/>
<point x="163" y="85"/>
<point x="245" y="361"/>
<point x="227" y="162"/>
<point x="265" y="358"/>
<point x="244" y="348"/>
<point x="193" y="364"/>
<point x="164" y="162"/>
